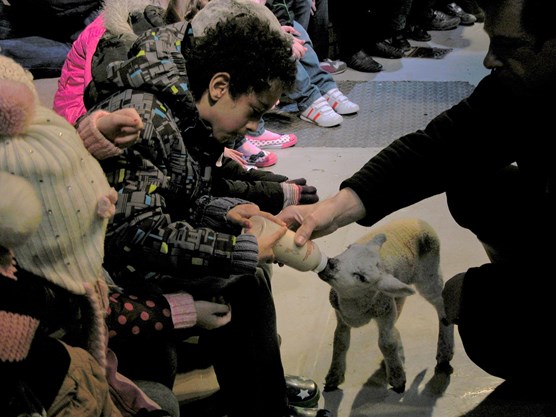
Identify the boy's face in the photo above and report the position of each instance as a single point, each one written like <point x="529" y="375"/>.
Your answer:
<point x="230" y="117"/>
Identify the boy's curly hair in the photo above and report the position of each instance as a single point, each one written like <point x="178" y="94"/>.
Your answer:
<point x="255" y="55"/>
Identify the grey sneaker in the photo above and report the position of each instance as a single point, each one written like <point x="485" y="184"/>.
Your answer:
<point x="333" y="66"/>
<point x="466" y="19"/>
<point x="441" y="21"/>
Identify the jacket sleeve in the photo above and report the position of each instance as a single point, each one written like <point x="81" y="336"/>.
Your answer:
<point x="143" y="239"/>
<point x="424" y="163"/>
<point x="149" y="313"/>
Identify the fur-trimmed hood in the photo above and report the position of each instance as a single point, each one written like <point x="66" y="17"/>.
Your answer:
<point x="116" y="14"/>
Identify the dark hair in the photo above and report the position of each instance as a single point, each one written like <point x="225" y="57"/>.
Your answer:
<point x="536" y="16"/>
<point x="246" y="47"/>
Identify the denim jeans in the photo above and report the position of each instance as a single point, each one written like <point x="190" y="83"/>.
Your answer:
<point x="311" y="82"/>
<point x="43" y="57"/>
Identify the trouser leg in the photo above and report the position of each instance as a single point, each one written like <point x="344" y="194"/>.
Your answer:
<point x="246" y="353"/>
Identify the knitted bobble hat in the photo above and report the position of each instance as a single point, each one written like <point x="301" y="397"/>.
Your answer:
<point x="42" y="147"/>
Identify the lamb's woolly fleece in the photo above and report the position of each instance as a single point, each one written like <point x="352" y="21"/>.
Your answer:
<point x="399" y="234"/>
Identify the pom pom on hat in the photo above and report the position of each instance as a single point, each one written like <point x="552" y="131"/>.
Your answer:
<point x="17" y="107"/>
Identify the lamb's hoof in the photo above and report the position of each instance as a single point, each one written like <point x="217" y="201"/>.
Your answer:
<point x="400" y="389"/>
<point x="333" y="381"/>
<point x="444" y="368"/>
<point x="330" y="387"/>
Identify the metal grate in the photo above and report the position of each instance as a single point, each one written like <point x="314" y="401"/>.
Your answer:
<point x="388" y="110"/>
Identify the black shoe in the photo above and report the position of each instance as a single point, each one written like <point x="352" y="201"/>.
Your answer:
<point x="438" y="20"/>
<point x="384" y="49"/>
<point x="308" y="412"/>
<point x="400" y="41"/>
<point x="301" y="391"/>
<point x="466" y="19"/>
<point x="360" y="61"/>
<point x="417" y="33"/>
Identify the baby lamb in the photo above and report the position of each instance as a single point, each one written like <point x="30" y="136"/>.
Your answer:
<point x="371" y="279"/>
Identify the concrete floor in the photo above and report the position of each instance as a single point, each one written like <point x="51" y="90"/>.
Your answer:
<point x="306" y="321"/>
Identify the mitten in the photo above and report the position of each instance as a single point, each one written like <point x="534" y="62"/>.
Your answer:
<point x="297" y="192"/>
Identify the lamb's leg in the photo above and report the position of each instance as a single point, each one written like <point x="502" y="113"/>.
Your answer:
<point x="390" y="344"/>
<point x="431" y="289"/>
<point x="337" y="370"/>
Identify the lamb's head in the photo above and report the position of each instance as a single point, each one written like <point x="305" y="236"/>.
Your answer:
<point x="359" y="269"/>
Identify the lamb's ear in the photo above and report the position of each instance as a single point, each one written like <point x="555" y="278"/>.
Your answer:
<point x="392" y="286"/>
<point x="378" y="240"/>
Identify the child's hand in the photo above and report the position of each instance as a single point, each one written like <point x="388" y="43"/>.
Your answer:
<point x="122" y="127"/>
<point x="240" y="215"/>
<point x="266" y="243"/>
<point x="235" y="155"/>
<point x="298" y="45"/>
<point x="212" y="315"/>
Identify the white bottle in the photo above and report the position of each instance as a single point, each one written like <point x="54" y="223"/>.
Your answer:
<point x="303" y="258"/>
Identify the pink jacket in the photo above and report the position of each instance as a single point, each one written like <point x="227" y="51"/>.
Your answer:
<point x="76" y="72"/>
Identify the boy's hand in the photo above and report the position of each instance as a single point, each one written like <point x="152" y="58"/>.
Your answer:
<point x="240" y="215"/>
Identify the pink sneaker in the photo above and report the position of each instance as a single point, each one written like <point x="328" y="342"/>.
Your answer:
<point x="262" y="159"/>
<point x="271" y="140"/>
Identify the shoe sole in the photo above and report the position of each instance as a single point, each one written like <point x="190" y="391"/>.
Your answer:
<point x="340" y="71"/>
<point x="318" y="124"/>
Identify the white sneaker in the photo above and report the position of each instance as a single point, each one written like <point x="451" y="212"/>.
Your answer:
<point x="321" y="114"/>
<point x="340" y="103"/>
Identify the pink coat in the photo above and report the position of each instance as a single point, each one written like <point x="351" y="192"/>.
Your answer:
<point x="76" y="72"/>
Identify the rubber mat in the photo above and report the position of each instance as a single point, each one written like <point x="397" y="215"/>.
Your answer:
<point x="388" y="110"/>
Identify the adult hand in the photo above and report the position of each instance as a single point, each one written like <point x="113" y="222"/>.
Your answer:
<point x="212" y="315"/>
<point x="122" y="127"/>
<point x="320" y="219"/>
<point x="313" y="7"/>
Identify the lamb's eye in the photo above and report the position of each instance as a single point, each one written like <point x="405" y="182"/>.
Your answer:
<point x="360" y="277"/>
